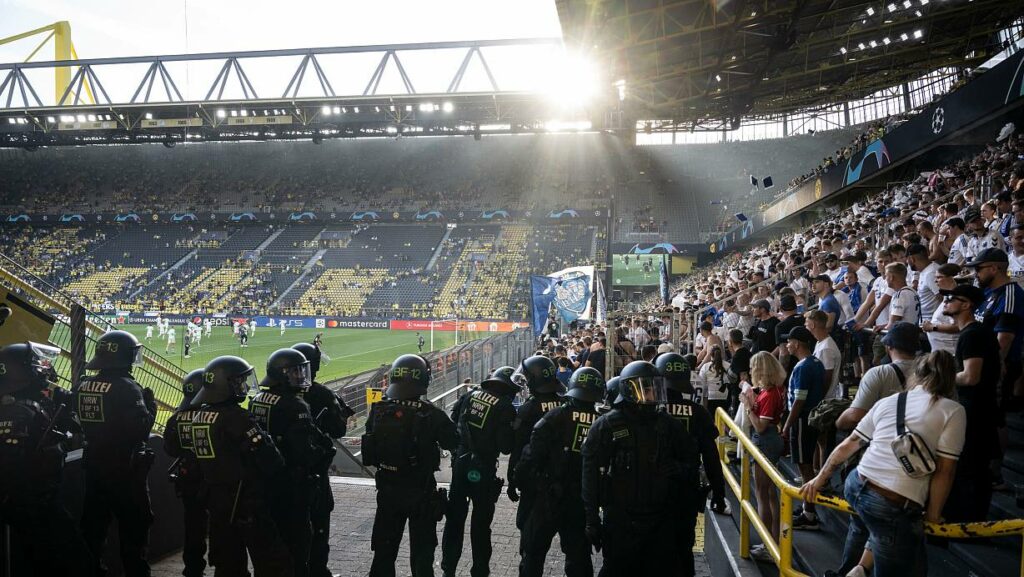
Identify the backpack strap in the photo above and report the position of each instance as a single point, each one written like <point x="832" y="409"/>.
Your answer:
<point x="899" y="375"/>
<point x="901" y="414"/>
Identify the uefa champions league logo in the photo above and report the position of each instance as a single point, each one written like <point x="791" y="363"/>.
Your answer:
<point x="938" y="120"/>
<point x="573" y="293"/>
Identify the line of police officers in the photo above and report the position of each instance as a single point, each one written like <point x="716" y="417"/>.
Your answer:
<point x="623" y="478"/>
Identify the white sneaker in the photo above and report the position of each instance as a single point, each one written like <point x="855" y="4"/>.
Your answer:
<point x="857" y="571"/>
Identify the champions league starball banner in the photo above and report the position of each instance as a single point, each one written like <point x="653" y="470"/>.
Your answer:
<point x="568" y="291"/>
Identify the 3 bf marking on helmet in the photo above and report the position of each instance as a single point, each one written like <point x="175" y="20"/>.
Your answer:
<point x="676" y="367"/>
<point x="400" y="372"/>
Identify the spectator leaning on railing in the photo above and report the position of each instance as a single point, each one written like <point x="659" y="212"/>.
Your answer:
<point x="892" y="505"/>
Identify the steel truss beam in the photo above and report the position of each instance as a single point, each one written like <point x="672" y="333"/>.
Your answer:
<point x="87" y="78"/>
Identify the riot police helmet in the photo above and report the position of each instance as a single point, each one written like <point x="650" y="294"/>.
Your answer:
<point x="675" y="370"/>
<point x="190" y="385"/>
<point x="537" y="373"/>
<point x="314" y="355"/>
<point x="116" y="350"/>
<point x="25" y="365"/>
<point x="288" y="368"/>
<point x="409" y="378"/>
<point x="500" y="382"/>
<point x="226" y="378"/>
<point x="611" y="390"/>
<point x="586" y="384"/>
<point x="641" y="384"/>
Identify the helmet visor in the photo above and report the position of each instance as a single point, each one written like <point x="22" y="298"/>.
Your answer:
<point x="139" y="359"/>
<point x="245" y="384"/>
<point x="298" y="376"/>
<point x="324" y="359"/>
<point x="520" y="379"/>
<point x="643" y="390"/>
<point x="43" y="355"/>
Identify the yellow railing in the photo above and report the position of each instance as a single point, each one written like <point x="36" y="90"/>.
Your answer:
<point x="782" y="552"/>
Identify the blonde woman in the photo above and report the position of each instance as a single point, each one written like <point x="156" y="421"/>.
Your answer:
<point x="763" y="406"/>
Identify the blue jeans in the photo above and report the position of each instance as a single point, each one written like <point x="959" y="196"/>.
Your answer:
<point x="896" y="533"/>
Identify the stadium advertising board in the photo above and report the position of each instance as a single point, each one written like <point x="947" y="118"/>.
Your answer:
<point x="986" y="94"/>
<point x="450" y="325"/>
<point x="222" y="319"/>
<point x="424" y="216"/>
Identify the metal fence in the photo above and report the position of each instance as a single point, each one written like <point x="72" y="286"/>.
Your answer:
<point x="449" y="368"/>
<point x="75" y="331"/>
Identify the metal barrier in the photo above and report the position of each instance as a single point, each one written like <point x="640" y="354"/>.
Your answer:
<point x="782" y="552"/>
<point x="449" y="369"/>
<point x="75" y="331"/>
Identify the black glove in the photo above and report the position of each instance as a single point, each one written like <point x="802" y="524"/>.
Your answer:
<point x="149" y="399"/>
<point x="513" y="494"/>
<point x="594" y="536"/>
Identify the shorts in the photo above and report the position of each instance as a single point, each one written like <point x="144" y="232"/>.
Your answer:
<point x="862" y="340"/>
<point x="770" y="444"/>
<point x="803" y="439"/>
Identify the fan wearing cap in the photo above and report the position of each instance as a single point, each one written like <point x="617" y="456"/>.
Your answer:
<point x="806" y="390"/>
<point x="1002" y="313"/>
<point x="980" y="237"/>
<point x="977" y="351"/>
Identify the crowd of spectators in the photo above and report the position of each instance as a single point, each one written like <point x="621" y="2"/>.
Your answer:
<point x="913" y="291"/>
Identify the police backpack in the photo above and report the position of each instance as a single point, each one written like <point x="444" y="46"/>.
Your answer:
<point x="394" y="442"/>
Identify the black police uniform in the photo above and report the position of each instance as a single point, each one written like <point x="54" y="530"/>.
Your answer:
<point x="282" y="412"/>
<point x="187" y="478"/>
<point x="484" y="418"/>
<point x="44" y="540"/>
<point x="117" y="416"/>
<point x="237" y="458"/>
<point x="701" y="426"/>
<point x="552" y="463"/>
<point x="538" y="374"/>
<point x="640" y="467"/>
<point x="403" y="439"/>
<point x="330" y="415"/>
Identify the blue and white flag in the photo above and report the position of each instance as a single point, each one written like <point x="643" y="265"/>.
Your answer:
<point x="570" y="290"/>
<point x="602" y="302"/>
<point x="543" y="294"/>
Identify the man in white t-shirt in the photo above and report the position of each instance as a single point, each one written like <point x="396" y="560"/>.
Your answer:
<point x="927" y="290"/>
<point x="1016" y="270"/>
<point x="956" y="243"/>
<point x="826" y="351"/>
<point x="980" y="238"/>
<point x="874" y="311"/>
<point x="904" y="305"/>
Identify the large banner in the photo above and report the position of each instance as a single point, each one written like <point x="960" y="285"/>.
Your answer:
<point x="450" y="325"/>
<point x="569" y="291"/>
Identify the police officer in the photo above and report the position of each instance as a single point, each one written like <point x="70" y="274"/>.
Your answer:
<point x="701" y="426"/>
<point x="186" y="476"/>
<point x="330" y="415"/>
<point x="117" y="416"/>
<point x="236" y="458"/>
<point x="641" y="469"/>
<point x="281" y="411"/>
<point x="484" y="418"/>
<point x="404" y="435"/>
<point x="537" y="374"/>
<point x="43" y="539"/>
<point x="552" y="462"/>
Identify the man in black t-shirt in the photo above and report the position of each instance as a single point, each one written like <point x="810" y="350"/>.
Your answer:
<point x="739" y="366"/>
<point x="763" y="332"/>
<point x="790" y="320"/>
<point x="596" y="358"/>
<point x="977" y="353"/>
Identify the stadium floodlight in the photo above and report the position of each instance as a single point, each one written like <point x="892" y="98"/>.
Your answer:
<point x="336" y="110"/>
<point x="391" y="108"/>
<point x="326" y="110"/>
<point x="51" y="119"/>
<point x="234" y="113"/>
<point x="918" y="13"/>
<point x="873" y="44"/>
<point x="718" y="77"/>
<point x="243" y="112"/>
<point x="907" y="4"/>
<point x="918" y="34"/>
<point x="376" y="108"/>
<point x="344" y="110"/>
<point x="426" y="107"/>
<point x="80" y="118"/>
<point x="448" y="107"/>
<point x="572" y="80"/>
<point x="842" y="50"/>
<point x="891" y="7"/>
<point x="870" y="11"/>
<point x="91" y="118"/>
<point x="886" y="41"/>
<point x="356" y="110"/>
<point x="11" y="121"/>
<point x="67" y="118"/>
<point x="924" y="2"/>
<point x="221" y="113"/>
<point x="408" y="107"/>
<point x="861" y="45"/>
<point x="391" y="130"/>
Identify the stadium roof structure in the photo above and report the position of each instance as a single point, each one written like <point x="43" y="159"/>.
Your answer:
<point x="694" y="61"/>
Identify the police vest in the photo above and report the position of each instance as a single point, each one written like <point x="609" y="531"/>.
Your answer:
<point x="566" y="463"/>
<point x="398" y="438"/>
<point x="647" y="475"/>
<point x="25" y="450"/>
<point x="477" y="423"/>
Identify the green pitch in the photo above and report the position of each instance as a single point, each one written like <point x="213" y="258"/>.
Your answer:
<point x="634" y="275"/>
<point x="351" y="350"/>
